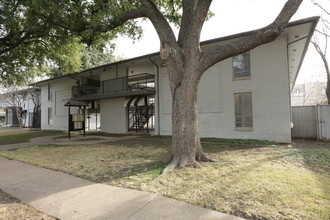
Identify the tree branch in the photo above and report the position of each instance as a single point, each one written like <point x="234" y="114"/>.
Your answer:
<point x="14" y="45"/>
<point x="125" y="16"/>
<point x="188" y="8"/>
<point x="255" y="39"/>
<point x="160" y="23"/>
<point x="322" y="33"/>
<point x="321" y="7"/>
<point x="194" y="15"/>
<point x="324" y="59"/>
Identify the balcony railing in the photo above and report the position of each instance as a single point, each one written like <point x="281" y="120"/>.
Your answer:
<point x="123" y="85"/>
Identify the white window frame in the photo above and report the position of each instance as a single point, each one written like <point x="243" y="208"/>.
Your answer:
<point x="236" y="60"/>
<point x="50" y="116"/>
<point x="49" y="92"/>
<point x="247" y="113"/>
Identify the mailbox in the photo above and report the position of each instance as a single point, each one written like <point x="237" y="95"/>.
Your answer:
<point x="77" y="122"/>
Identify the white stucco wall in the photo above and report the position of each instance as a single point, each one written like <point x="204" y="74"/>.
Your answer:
<point x="61" y="92"/>
<point x="269" y="84"/>
<point x="113" y="115"/>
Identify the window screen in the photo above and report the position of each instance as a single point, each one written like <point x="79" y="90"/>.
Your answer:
<point x="241" y="66"/>
<point x="243" y="110"/>
<point x="50" y="116"/>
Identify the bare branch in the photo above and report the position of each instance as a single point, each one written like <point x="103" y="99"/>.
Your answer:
<point x="321" y="7"/>
<point x="322" y="33"/>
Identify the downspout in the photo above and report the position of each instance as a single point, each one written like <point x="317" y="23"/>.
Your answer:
<point x="157" y="95"/>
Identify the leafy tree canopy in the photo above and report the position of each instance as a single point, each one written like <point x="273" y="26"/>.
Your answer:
<point x="32" y="43"/>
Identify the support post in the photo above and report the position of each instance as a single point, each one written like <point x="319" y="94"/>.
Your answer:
<point x="147" y="115"/>
<point x="136" y="119"/>
<point x="69" y="121"/>
<point x="84" y="121"/>
<point x="96" y="120"/>
<point x="318" y="123"/>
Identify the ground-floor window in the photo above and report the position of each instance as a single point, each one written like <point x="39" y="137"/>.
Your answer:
<point x="50" y="116"/>
<point x="243" y="111"/>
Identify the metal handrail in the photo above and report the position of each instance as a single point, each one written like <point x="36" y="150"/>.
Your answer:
<point x="144" y="81"/>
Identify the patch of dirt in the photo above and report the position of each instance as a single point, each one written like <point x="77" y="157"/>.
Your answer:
<point x="310" y="143"/>
<point x="13" y="209"/>
<point x="89" y="139"/>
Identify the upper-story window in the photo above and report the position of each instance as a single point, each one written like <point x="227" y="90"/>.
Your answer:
<point x="241" y="66"/>
<point x="50" y="96"/>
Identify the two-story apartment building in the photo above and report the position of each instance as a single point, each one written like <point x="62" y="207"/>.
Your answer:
<point x="246" y="96"/>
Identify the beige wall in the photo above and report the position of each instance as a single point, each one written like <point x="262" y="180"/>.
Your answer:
<point x="61" y="92"/>
<point x="269" y="85"/>
<point x="113" y="115"/>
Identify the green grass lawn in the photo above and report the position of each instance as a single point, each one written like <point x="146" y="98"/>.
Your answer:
<point x="20" y="136"/>
<point x="254" y="182"/>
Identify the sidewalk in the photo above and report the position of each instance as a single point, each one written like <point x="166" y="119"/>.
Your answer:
<point x="67" y="197"/>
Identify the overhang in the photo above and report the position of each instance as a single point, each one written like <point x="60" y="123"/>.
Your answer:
<point x="298" y="39"/>
<point x="76" y="103"/>
<point x="117" y="94"/>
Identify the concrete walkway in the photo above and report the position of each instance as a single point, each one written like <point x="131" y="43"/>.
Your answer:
<point x="67" y="197"/>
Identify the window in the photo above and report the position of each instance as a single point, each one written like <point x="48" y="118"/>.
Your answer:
<point x="241" y="66"/>
<point x="243" y="111"/>
<point x="50" y="116"/>
<point x="50" y="92"/>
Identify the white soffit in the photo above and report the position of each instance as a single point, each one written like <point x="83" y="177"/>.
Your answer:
<point x="298" y="38"/>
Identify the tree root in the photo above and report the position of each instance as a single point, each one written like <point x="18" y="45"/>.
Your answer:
<point x="175" y="162"/>
<point x="167" y="158"/>
<point x="204" y="158"/>
<point x="171" y="166"/>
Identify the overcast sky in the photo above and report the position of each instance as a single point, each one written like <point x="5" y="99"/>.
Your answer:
<point x="231" y="17"/>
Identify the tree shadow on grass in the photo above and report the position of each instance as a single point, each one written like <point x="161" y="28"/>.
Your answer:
<point x="147" y="170"/>
<point x="220" y="147"/>
<point x="315" y="156"/>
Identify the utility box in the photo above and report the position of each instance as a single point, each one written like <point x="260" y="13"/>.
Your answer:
<point x="77" y="122"/>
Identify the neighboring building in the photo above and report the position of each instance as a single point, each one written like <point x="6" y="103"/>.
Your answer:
<point x="244" y="97"/>
<point x="312" y="93"/>
<point x="21" y="107"/>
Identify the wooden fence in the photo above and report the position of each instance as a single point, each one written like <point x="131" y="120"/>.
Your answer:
<point x="311" y="122"/>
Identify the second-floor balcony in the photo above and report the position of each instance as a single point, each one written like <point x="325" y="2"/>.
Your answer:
<point x="141" y="84"/>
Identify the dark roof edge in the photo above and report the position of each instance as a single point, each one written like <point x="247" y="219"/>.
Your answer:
<point x="97" y="67"/>
<point x="291" y="24"/>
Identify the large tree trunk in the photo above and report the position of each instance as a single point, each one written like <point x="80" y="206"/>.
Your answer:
<point x="327" y="91"/>
<point x="186" y="149"/>
<point x="186" y="64"/>
<point x="327" y="69"/>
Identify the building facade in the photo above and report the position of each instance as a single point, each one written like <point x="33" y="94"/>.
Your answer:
<point x="243" y="97"/>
